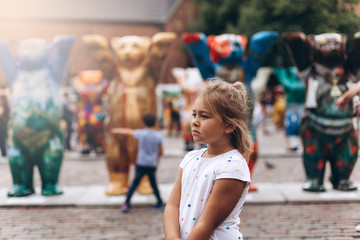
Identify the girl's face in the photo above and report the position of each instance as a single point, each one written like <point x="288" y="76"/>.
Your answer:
<point x="207" y="127"/>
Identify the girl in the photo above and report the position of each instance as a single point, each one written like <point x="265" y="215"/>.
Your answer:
<point x="212" y="182"/>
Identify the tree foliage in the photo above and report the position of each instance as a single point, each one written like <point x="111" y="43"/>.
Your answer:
<point x="216" y="15"/>
<point x="250" y="16"/>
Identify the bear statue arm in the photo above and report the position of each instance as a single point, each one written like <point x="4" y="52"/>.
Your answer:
<point x="60" y="56"/>
<point x="298" y="49"/>
<point x="200" y="53"/>
<point x="260" y="44"/>
<point x="354" y="56"/>
<point x="160" y="46"/>
<point x="8" y="63"/>
<point x="99" y="49"/>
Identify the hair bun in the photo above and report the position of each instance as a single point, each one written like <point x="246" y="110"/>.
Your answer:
<point x="238" y="85"/>
<point x="241" y="87"/>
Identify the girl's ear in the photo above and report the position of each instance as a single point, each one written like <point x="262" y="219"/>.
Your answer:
<point x="229" y="128"/>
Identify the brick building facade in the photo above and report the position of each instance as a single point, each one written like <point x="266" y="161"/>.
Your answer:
<point x="50" y="20"/>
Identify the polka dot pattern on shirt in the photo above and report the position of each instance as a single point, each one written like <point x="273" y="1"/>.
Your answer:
<point x="199" y="175"/>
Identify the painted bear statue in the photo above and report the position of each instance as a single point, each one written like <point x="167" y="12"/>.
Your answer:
<point x="138" y="61"/>
<point x="35" y="136"/>
<point x="327" y="132"/>
<point x="91" y="87"/>
<point x="223" y="56"/>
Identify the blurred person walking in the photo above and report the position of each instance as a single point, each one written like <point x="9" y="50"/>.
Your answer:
<point x="150" y="149"/>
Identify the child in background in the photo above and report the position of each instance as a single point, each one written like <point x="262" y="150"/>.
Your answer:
<point x="212" y="182"/>
<point x="150" y="149"/>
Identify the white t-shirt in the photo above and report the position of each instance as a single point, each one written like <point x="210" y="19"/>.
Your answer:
<point x="199" y="175"/>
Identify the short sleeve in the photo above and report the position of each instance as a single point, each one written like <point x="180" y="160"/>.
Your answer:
<point x="161" y="140"/>
<point x="138" y="133"/>
<point x="235" y="169"/>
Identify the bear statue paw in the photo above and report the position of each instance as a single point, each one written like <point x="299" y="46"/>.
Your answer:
<point x="20" y="191"/>
<point x="145" y="187"/>
<point x="343" y="185"/>
<point x="145" y="190"/>
<point x="51" y="190"/>
<point x="313" y="185"/>
<point x="116" y="189"/>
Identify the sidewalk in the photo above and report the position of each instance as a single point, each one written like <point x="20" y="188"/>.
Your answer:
<point x="278" y="176"/>
<point x="268" y="193"/>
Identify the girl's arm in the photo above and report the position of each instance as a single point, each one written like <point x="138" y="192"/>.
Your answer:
<point x="222" y="200"/>
<point x="171" y="212"/>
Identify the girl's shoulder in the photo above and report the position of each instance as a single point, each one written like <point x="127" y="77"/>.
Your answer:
<point x="233" y="156"/>
<point x="233" y="165"/>
<point x="236" y="154"/>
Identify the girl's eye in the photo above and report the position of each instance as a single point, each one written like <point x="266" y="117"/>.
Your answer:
<point x="201" y="115"/>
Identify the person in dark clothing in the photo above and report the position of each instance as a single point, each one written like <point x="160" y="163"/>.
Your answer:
<point x="175" y="118"/>
<point x="68" y="116"/>
<point x="4" y="119"/>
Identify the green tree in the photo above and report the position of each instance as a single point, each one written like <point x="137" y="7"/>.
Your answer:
<point x="215" y="16"/>
<point x="250" y="16"/>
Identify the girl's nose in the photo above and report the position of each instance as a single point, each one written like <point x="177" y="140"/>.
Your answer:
<point x="194" y="122"/>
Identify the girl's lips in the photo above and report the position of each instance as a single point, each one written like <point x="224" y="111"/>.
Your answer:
<point x="195" y="132"/>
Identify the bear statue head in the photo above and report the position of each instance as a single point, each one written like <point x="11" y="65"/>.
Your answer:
<point x="131" y="51"/>
<point x="100" y="48"/>
<point x="32" y="53"/>
<point x="328" y="49"/>
<point x="227" y="49"/>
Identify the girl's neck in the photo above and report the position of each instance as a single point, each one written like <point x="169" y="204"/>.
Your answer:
<point x="215" y="151"/>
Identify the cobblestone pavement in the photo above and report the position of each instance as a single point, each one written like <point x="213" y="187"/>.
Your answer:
<point x="267" y="222"/>
<point x="327" y="221"/>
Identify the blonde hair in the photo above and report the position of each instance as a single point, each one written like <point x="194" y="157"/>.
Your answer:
<point x="231" y="102"/>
